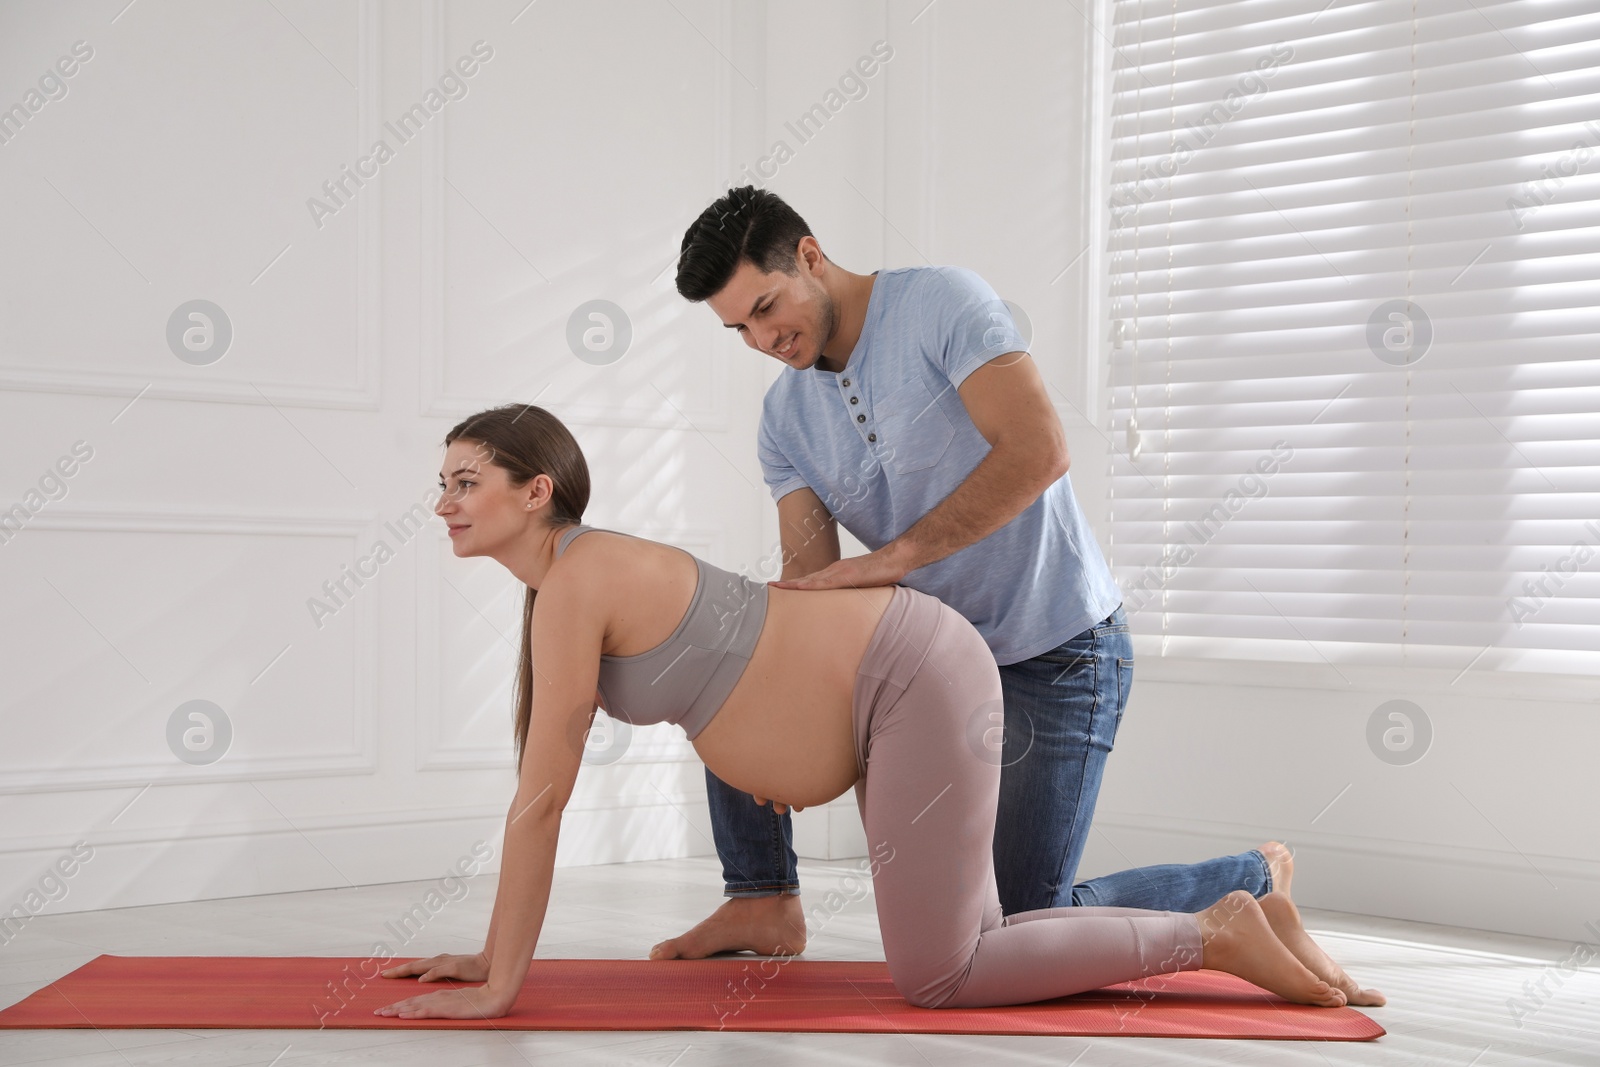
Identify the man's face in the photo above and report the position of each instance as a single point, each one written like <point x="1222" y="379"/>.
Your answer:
<point x="790" y="317"/>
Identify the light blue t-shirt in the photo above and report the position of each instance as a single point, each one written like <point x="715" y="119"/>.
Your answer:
<point x="886" y="440"/>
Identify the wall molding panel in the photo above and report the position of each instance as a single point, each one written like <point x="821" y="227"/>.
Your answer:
<point x="357" y="754"/>
<point x="40" y="373"/>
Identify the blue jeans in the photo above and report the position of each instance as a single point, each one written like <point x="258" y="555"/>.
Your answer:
<point x="1062" y="710"/>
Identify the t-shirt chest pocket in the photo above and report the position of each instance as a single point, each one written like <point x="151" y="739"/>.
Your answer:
<point x="915" y="434"/>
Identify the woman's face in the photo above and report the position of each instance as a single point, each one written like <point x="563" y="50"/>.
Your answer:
<point x="483" y="510"/>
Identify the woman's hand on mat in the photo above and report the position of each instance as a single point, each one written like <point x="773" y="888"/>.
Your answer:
<point x="856" y="572"/>
<point x="471" y="1002"/>
<point x="779" y="808"/>
<point x="474" y="968"/>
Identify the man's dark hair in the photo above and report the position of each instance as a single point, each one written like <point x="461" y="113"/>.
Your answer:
<point x="747" y="224"/>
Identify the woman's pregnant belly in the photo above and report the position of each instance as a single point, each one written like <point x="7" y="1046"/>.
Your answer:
<point x="786" y="731"/>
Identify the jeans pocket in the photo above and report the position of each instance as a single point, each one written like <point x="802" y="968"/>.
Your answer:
<point x="1124" y="685"/>
<point x="1115" y="623"/>
<point x="1072" y="654"/>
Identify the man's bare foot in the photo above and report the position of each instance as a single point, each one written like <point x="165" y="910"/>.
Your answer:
<point x="767" y="926"/>
<point x="1281" y="862"/>
<point x="1284" y="918"/>
<point x="1238" y="939"/>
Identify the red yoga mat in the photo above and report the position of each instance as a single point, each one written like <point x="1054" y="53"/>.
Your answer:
<point x="729" y="993"/>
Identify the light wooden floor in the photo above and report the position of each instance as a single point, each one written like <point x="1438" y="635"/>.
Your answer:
<point x="1448" y="989"/>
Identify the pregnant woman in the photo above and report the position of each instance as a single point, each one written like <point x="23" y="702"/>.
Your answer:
<point x="793" y="696"/>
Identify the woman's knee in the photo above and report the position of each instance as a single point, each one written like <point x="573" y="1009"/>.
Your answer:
<point x="925" y="998"/>
<point x="925" y="987"/>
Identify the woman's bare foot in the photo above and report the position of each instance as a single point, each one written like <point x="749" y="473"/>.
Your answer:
<point x="1284" y="918"/>
<point x="1281" y="862"/>
<point x="1238" y="939"/>
<point x="767" y="926"/>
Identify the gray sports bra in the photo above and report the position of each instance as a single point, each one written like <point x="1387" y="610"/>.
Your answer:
<point x="685" y="679"/>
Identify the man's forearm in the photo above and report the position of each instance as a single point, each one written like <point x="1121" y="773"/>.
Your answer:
<point x="1000" y="487"/>
<point x="809" y="544"/>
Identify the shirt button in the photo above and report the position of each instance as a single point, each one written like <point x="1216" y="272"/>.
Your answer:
<point x="861" y="418"/>
<point x="846" y="383"/>
<point x="853" y="400"/>
<point x="872" y="437"/>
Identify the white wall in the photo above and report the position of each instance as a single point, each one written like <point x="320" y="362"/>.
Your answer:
<point x="376" y="748"/>
<point x="376" y="745"/>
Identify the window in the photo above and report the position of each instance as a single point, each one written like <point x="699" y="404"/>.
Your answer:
<point x="1353" y="293"/>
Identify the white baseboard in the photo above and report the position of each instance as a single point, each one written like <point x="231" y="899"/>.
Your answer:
<point x="1508" y="891"/>
<point x="1447" y="885"/>
<point x="138" y="871"/>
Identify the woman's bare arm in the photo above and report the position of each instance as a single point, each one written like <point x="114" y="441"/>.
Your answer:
<point x="494" y="915"/>
<point x="568" y="628"/>
<point x="567" y="631"/>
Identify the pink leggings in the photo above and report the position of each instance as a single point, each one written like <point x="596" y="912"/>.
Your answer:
<point x="927" y="691"/>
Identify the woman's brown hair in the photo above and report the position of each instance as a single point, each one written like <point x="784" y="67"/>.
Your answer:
<point x="525" y="441"/>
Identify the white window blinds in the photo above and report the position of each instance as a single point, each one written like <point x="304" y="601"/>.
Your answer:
<point x="1354" y="291"/>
